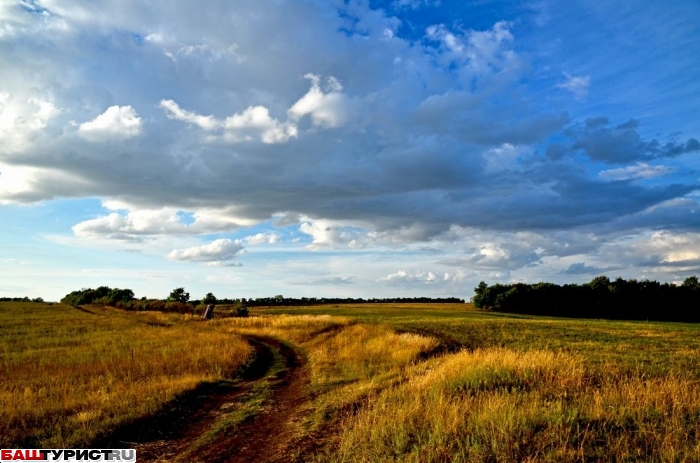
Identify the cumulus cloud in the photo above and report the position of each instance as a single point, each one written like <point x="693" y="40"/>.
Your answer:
<point x="326" y="233"/>
<point x="479" y="53"/>
<point x="219" y="252"/>
<point x="403" y="277"/>
<point x="132" y="227"/>
<point x="21" y="119"/>
<point x="140" y="224"/>
<point x="116" y="122"/>
<point x="263" y="238"/>
<point x="497" y="256"/>
<point x="173" y="111"/>
<point x="351" y="133"/>
<point x="324" y="106"/>
<point x="674" y="247"/>
<point x="256" y="119"/>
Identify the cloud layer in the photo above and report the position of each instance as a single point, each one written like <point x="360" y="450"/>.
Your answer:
<point x="365" y="129"/>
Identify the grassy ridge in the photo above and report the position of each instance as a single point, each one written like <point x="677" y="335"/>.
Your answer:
<point x="70" y="375"/>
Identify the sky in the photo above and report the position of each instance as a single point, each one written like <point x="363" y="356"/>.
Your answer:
<point x="346" y="148"/>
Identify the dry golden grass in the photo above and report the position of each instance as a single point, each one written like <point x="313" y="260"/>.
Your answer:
<point x="503" y="405"/>
<point x="528" y="390"/>
<point x="69" y="376"/>
<point x="347" y="361"/>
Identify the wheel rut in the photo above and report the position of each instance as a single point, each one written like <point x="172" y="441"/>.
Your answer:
<point x="183" y="430"/>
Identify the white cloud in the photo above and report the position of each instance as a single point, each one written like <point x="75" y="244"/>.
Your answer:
<point x="131" y="227"/>
<point x="403" y="276"/>
<point x="326" y="106"/>
<point x="173" y="111"/>
<point x="637" y="171"/>
<point x="480" y="53"/>
<point x="578" y="85"/>
<point x="21" y="119"/>
<point x="219" y="252"/>
<point x="116" y="122"/>
<point x="139" y="224"/>
<point x="256" y="121"/>
<point x="325" y="233"/>
<point x="22" y="183"/>
<point x="263" y="238"/>
<point x="513" y="254"/>
<point x="674" y="247"/>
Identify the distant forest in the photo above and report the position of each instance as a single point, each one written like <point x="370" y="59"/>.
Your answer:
<point x="179" y="300"/>
<point x="600" y="298"/>
<point x="21" y="299"/>
<point x="291" y="301"/>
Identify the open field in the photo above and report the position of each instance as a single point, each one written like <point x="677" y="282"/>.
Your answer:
<point x="70" y="375"/>
<point x="648" y="348"/>
<point x="373" y="383"/>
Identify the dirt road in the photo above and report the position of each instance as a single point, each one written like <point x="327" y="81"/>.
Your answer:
<point x="190" y="428"/>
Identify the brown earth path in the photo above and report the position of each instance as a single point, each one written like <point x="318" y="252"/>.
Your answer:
<point x="272" y="435"/>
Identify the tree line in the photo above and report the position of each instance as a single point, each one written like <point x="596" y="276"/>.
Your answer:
<point x="179" y="300"/>
<point x="21" y="299"/>
<point x="294" y="301"/>
<point x="600" y="298"/>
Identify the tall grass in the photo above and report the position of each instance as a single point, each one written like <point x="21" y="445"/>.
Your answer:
<point x="69" y="376"/>
<point x="529" y="389"/>
<point x="522" y="389"/>
<point x="347" y="361"/>
<point x="504" y="405"/>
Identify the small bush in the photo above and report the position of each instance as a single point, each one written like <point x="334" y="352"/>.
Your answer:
<point x="242" y="312"/>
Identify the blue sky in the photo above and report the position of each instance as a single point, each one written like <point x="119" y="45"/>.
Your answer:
<point x="346" y="148"/>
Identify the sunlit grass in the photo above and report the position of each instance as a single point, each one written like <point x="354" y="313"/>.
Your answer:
<point x="525" y="389"/>
<point x="69" y="376"/>
<point x="521" y="389"/>
<point x="347" y="361"/>
<point x="503" y="405"/>
<point x="637" y="347"/>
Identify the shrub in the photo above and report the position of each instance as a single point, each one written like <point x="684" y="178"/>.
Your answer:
<point x="242" y="312"/>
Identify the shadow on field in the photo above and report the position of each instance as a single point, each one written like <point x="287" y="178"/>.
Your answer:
<point x="189" y="409"/>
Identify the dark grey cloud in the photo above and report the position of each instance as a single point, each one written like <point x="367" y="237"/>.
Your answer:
<point x="622" y="143"/>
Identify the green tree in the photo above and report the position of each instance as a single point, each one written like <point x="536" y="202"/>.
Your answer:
<point x="179" y="295"/>
<point x="209" y="299"/>
<point x="120" y="295"/>
<point x="480" y="297"/>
